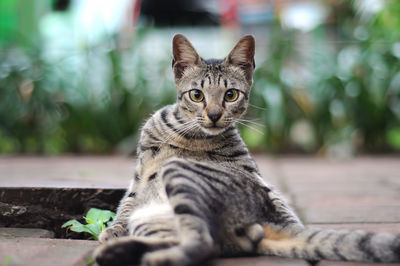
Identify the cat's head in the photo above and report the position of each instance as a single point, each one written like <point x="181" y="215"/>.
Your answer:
<point x="213" y="92"/>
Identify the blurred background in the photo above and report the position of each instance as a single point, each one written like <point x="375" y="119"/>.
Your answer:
<point x="81" y="76"/>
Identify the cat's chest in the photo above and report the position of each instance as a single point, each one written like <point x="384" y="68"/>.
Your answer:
<point x="151" y="160"/>
<point x="152" y="157"/>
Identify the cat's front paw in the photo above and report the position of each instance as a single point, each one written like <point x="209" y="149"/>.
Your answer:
<point x="129" y="250"/>
<point x="112" y="232"/>
<point x="121" y="251"/>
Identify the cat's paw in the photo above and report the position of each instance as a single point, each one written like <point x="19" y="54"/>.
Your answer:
<point x="129" y="250"/>
<point x="166" y="257"/>
<point x="122" y="251"/>
<point x="112" y="232"/>
<point x="249" y="237"/>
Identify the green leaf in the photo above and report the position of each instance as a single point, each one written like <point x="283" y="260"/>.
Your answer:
<point x="90" y="261"/>
<point x="6" y="261"/>
<point x="75" y="226"/>
<point x="94" y="215"/>
<point x="94" y="229"/>
<point x="102" y="226"/>
<point x="89" y="221"/>
<point x="95" y="219"/>
<point x="70" y="223"/>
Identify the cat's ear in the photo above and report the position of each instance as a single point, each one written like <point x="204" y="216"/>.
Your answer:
<point x="184" y="55"/>
<point x="242" y="55"/>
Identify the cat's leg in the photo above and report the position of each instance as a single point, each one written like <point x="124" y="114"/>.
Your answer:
<point x="278" y="211"/>
<point x="128" y="250"/>
<point x="259" y="212"/>
<point x="146" y="234"/>
<point x="270" y="214"/>
<point x="119" y="227"/>
<point x="281" y="227"/>
<point x="196" y="213"/>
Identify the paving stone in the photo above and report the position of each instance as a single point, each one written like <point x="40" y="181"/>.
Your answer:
<point x="385" y="214"/>
<point x="358" y="190"/>
<point x="371" y="227"/>
<point x="348" y="263"/>
<point x="77" y="171"/>
<point x="45" y="252"/>
<point x="268" y="171"/>
<point x="258" y="261"/>
<point x="25" y="232"/>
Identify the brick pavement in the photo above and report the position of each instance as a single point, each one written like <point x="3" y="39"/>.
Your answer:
<point x="24" y="251"/>
<point x="362" y="190"/>
<point x="357" y="193"/>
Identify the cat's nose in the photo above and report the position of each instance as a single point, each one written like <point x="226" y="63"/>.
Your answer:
<point x="214" y="116"/>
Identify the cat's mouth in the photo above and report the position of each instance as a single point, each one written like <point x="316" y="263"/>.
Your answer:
<point x="213" y="130"/>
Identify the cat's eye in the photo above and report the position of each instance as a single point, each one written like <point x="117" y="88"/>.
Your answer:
<point x="231" y="95"/>
<point x="196" y="95"/>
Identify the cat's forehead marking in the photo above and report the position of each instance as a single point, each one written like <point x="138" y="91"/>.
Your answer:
<point x="209" y="79"/>
<point x="214" y="67"/>
<point x="213" y="72"/>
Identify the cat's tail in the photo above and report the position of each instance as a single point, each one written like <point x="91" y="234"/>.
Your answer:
<point x="316" y="244"/>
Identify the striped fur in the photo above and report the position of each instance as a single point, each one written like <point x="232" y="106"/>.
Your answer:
<point x="197" y="193"/>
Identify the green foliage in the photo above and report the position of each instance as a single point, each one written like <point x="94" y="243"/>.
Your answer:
<point x="6" y="261"/>
<point x="51" y="107"/>
<point x="343" y="91"/>
<point x="96" y="220"/>
<point x="393" y="137"/>
<point x="90" y="261"/>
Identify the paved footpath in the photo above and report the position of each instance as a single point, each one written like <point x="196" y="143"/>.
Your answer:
<point x="357" y="193"/>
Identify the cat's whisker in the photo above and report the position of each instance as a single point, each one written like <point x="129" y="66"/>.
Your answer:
<point x="251" y="127"/>
<point x="258" y="107"/>
<point x="253" y="119"/>
<point x="251" y="122"/>
<point x="188" y="130"/>
<point x="181" y="131"/>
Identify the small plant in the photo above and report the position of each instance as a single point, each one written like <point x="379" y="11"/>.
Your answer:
<point x="6" y="261"/>
<point x="96" y="220"/>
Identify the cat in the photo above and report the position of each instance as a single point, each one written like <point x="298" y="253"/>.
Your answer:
<point x="197" y="193"/>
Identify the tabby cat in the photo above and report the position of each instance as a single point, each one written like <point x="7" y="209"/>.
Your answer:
<point x="197" y="193"/>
